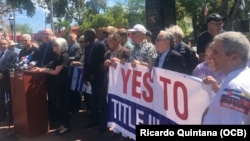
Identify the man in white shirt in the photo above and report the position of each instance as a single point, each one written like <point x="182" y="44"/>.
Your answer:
<point x="231" y="103"/>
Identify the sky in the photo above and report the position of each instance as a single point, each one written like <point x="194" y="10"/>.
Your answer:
<point x="37" y="22"/>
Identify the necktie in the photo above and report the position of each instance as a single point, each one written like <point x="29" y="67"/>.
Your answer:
<point x="160" y="61"/>
<point x="1" y="54"/>
<point x="1" y="57"/>
<point x="90" y="53"/>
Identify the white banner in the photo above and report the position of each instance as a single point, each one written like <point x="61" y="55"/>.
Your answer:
<point x="152" y="97"/>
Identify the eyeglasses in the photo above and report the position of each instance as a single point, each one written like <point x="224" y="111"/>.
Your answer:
<point x="217" y="24"/>
<point x="111" y="40"/>
<point x="46" y="34"/>
<point x="135" y="32"/>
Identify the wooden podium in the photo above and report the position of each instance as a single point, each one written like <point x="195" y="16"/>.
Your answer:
<point x="29" y="103"/>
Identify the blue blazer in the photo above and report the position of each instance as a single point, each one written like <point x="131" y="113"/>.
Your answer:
<point x="174" y="61"/>
<point x="10" y="58"/>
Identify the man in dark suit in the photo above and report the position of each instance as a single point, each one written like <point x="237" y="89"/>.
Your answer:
<point x="116" y="52"/>
<point x="74" y="52"/>
<point x="115" y="48"/>
<point x="168" y="58"/>
<point x="74" y="47"/>
<point x="45" y="53"/>
<point x="45" y="57"/>
<point x="7" y="59"/>
<point x="94" y="73"/>
<point x="184" y="49"/>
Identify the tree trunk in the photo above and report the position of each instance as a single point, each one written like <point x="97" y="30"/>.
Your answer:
<point x="229" y="18"/>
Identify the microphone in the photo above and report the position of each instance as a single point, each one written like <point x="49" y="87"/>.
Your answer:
<point x="33" y="63"/>
<point x="72" y="58"/>
<point x="25" y="62"/>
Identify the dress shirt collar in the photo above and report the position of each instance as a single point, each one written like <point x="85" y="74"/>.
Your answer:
<point x="162" y="57"/>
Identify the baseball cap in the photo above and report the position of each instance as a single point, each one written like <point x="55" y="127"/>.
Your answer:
<point x="12" y="43"/>
<point x="215" y="17"/>
<point x="138" y="27"/>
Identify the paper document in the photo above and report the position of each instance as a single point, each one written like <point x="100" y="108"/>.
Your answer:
<point x="88" y="88"/>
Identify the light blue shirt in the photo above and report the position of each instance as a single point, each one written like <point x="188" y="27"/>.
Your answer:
<point x="17" y="50"/>
<point x="162" y="58"/>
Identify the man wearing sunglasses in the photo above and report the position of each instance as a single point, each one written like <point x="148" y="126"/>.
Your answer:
<point x="168" y="58"/>
<point x="215" y="24"/>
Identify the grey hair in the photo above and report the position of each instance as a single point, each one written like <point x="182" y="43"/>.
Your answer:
<point x="176" y="30"/>
<point x="27" y="35"/>
<point x="168" y="36"/>
<point x="234" y="42"/>
<point x="62" y="44"/>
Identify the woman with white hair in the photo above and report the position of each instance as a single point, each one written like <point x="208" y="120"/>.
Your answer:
<point x="58" y="86"/>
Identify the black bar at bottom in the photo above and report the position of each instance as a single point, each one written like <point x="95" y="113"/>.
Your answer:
<point x="186" y="132"/>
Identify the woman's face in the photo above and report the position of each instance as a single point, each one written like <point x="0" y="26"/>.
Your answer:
<point x="208" y="58"/>
<point x="56" y="48"/>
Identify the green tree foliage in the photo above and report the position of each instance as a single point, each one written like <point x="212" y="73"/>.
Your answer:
<point x="61" y="8"/>
<point x="97" y="21"/>
<point x="188" y="8"/>
<point x="113" y="16"/>
<point x="136" y="12"/>
<point x="195" y="10"/>
<point x="95" y="6"/>
<point x="118" y="14"/>
<point x="74" y="10"/>
<point x="6" y="6"/>
<point x="95" y="13"/>
<point x="63" y="25"/>
<point x="137" y="6"/>
<point x="24" y="28"/>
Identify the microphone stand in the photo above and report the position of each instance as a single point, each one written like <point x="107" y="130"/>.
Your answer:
<point x="17" y="67"/>
<point x="10" y="135"/>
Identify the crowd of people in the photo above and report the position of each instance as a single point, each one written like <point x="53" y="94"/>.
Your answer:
<point x="222" y="59"/>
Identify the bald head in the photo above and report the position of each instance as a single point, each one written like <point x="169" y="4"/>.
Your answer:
<point x="48" y="31"/>
<point x="47" y="35"/>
